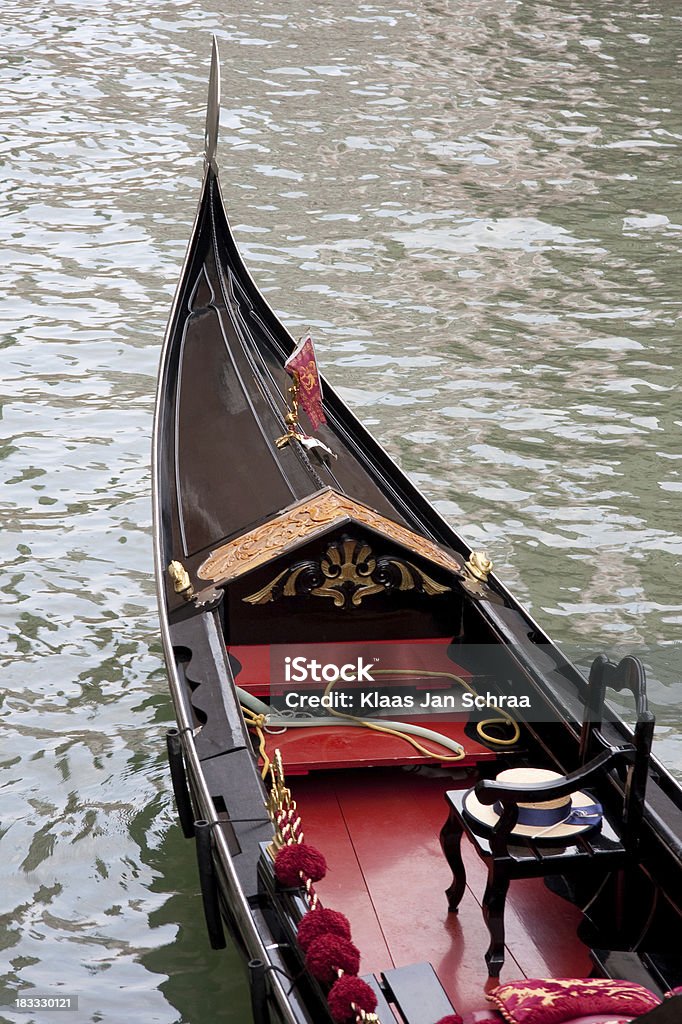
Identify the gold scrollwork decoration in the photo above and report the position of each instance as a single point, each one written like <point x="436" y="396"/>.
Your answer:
<point x="347" y="573"/>
<point x="305" y="520"/>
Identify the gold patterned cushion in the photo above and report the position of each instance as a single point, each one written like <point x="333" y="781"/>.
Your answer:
<point x="540" y="1001"/>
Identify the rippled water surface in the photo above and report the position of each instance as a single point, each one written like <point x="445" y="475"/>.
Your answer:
<point x="476" y="208"/>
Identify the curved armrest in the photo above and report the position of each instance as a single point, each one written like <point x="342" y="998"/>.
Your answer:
<point x="498" y="792"/>
<point x="510" y="796"/>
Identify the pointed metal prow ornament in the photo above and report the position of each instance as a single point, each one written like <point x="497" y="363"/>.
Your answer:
<point x="213" y="110"/>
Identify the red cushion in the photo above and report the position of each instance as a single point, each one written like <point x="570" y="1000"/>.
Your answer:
<point x="599" y="1018"/>
<point x="559" y="1001"/>
<point x="493" y="1017"/>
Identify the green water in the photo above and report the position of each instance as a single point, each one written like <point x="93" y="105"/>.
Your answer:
<point x="476" y="208"/>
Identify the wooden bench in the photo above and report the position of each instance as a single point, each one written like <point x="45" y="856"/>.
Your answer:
<point x="657" y="971"/>
<point x="414" y="991"/>
<point x="417" y="993"/>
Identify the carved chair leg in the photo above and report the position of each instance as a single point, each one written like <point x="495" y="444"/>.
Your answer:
<point x="494" y="900"/>
<point x="451" y="841"/>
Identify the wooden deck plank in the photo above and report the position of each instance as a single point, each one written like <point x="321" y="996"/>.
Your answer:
<point x="344" y="887"/>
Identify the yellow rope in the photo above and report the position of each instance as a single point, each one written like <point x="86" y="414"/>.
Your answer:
<point x="503" y="716"/>
<point x="394" y="732"/>
<point x="257" y="722"/>
<point x="254" y="721"/>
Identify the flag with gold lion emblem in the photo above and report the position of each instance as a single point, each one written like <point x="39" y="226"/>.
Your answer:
<point x="302" y="365"/>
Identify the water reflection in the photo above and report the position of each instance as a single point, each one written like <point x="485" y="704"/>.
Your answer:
<point x="473" y="208"/>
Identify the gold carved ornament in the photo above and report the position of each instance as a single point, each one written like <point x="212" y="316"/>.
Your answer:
<point x="180" y="577"/>
<point x="475" y="576"/>
<point x="305" y="520"/>
<point x="479" y="566"/>
<point x="347" y="572"/>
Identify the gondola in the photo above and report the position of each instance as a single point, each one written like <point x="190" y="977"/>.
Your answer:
<point x="350" y="680"/>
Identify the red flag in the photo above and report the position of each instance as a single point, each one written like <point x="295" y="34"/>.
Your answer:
<point x="302" y="362"/>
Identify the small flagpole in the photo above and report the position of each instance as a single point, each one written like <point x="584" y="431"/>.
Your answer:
<point x="291" y="416"/>
<point x="305" y="391"/>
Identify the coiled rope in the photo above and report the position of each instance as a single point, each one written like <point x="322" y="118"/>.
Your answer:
<point x="259" y="717"/>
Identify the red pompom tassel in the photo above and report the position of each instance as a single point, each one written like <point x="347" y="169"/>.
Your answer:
<point x="321" y="922"/>
<point x="292" y="861"/>
<point x="348" y="991"/>
<point x="329" y="954"/>
<point x="452" y="1018"/>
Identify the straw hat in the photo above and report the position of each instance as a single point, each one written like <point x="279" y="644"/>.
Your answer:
<point x="549" y="819"/>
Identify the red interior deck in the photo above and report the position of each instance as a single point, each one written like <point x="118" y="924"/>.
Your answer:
<point x="378" y="824"/>
<point x="379" y="832"/>
<point x="304" y="750"/>
<point x="421" y="664"/>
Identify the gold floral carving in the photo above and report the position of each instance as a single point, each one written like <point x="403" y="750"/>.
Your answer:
<point x="304" y="521"/>
<point x="347" y="572"/>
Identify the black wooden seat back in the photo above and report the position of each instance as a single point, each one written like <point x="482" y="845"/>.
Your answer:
<point x="597" y="758"/>
<point x="628" y="674"/>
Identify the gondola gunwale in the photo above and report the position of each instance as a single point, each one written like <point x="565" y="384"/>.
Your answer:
<point x="233" y="899"/>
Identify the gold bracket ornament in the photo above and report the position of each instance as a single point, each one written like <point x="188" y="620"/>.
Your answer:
<point x="181" y="581"/>
<point x="475" y="576"/>
<point x="347" y="572"/>
<point x="291" y="417"/>
<point x="479" y="566"/>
